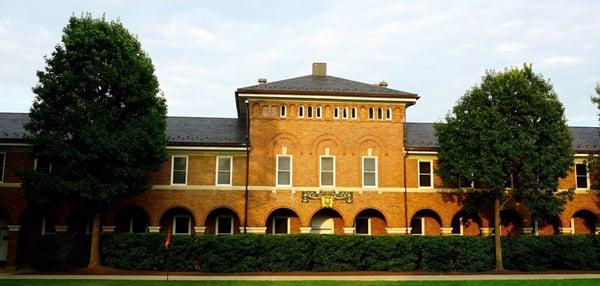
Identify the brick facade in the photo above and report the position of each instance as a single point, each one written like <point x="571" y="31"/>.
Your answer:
<point x="396" y="206"/>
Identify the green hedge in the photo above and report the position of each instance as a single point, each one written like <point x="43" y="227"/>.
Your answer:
<point x="256" y="253"/>
<point x="60" y="252"/>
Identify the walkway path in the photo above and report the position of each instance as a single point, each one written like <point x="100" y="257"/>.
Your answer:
<point x="311" y="277"/>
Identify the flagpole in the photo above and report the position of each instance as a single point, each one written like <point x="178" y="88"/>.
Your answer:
<point x="167" y="244"/>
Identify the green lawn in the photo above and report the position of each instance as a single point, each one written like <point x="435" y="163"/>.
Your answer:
<point x="584" y="282"/>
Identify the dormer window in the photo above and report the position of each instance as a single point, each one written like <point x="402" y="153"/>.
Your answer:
<point x="282" y="111"/>
<point x="301" y="111"/>
<point x="336" y="112"/>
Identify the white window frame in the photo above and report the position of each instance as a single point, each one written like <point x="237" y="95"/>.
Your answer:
<point x="336" y="112"/>
<point x="217" y="225"/>
<point x="277" y="170"/>
<point x="461" y="227"/>
<point x="44" y="217"/>
<point x="321" y="171"/>
<point x="536" y="228"/>
<point x="174" y="225"/>
<point x="368" y="225"/>
<point x="273" y="225"/>
<point x="419" y="174"/>
<point x="376" y="172"/>
<point x="230" y="171"/>
<point x="354" y="114"/>
<point x="3" y="164"/>
<point x="301" y="111"/>
<point x="282" y="111"/>
<point x="35" y="163"/>
<point x="587" y="176"/>
<point x="380" y="113"/>
<point x="187" y="167"/>
<point x="319" y="112"/>
<point x="389" y="112"/>
<point x="422" y="218"/>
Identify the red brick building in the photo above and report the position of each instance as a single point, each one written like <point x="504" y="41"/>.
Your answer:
<point x="312" y="154"/>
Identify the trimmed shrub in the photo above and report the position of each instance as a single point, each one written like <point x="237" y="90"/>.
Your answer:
<point x="256" y="253"/>
<point x="60" y="252"/>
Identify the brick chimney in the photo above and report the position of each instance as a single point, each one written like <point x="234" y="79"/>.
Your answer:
<point x="319" y="69"/>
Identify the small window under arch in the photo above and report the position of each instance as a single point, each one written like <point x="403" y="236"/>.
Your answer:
<point x="345" y="113"/>
<point x="380" y="113"/>
<point x="354" y="112"/>
<point x="319" y="112"/>
<point x="336" y="112"/>
<point x="371" y="113"/>
<point x="301" y="111"/>
<point x="309" y="112"/>
<point x="388" y="114"/>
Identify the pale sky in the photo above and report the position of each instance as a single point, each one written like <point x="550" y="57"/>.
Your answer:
<point x="203" y="51"/>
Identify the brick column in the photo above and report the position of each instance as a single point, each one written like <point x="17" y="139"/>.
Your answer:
<point x="13" y="239"/>
<point x="446" y="231"/>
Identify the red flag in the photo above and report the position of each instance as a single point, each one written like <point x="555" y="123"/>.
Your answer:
<point x="168" y="240"/>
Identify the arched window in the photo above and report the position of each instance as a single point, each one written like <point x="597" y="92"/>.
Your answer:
<point x="309" y="113"/>
<point x="301" y="111"/>
<point x="388" y="115"/>
<point x="282" y="111"/>
<point x="371" y="113"/>
<point x="380" y="113"/>
<point x="336" y="112"/>
<point x="319" y="112"/>
<point x="345" y="113"/>
<point x="354" y="112"/>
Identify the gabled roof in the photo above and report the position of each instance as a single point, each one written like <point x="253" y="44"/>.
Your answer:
<point x="325" y="85"/>
<point x="421" y="136"/>
<point x="198" y="131"/>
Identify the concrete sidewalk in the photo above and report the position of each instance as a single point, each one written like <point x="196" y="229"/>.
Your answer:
<point x="310" y="277"/>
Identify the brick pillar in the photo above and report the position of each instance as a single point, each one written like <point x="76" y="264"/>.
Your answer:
<point x="487" y="231"/>
<point x="446" y="231"/>
<point x="61" y="229"/>
<point x="13" y="239"/>
<point x="154" y="229"/>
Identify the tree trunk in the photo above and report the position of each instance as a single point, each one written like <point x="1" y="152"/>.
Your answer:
<point x="95" y="246"/>
<point x="497" y="235"/>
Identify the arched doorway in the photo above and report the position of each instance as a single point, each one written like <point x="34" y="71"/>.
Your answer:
<point x="370" y="222"/>
<point x="466" y="223"/>
<point x="178" y="221"/>
<point x="426" y="222"/>
<point x="511" y="223"/>
<point x="222" y="221"/>
<point x="584" y="222"/>
<point x="327" y="221"/>
<point x="550" y="226"/>
<point x="282" y="221"/>
<point x="131" y="219"/>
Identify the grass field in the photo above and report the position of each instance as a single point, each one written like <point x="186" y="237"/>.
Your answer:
<point x="583" y="282"/>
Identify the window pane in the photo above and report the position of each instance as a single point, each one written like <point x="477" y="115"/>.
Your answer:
<point x="424" y="167"/>
<point x="283" y="178"/>
<point x="371" y="113"/>
<point x="581" y="169"/>
<point x="224" y="164"/>
<point x="369" y="164"/>
<point x="425" y="180"/>
<point x="362" y="226"/>
<point x="179" y="177"/>
<point x="336" y="112"/>
<point x="179" y="163"/>
<point x="224" y="226"/>
<point x="182" y="224"/>
<point x="282" y="111"/>
<point x="284" y="163"/>
<point x="354" y="112"/>
<point x="327" y="179"/>
<point x="369" y="179"/>
<point x="301" y="111"/>
<point x="309" y="112"/>
<point x="280" y="225"/>
<point x="416" y="225"/>
<point x="327" y="164"/>
<point x="389" y="113"/>
<point x="224" y="178"/>
<point x="582" y="182"/>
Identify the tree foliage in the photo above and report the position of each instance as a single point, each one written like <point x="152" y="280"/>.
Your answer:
<point x="594" y="160"/>
<point x="98" y="117"/>
<point x="509" y="130"/>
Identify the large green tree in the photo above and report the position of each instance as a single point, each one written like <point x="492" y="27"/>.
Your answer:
<point x="508" y="130"/>
<point x="98" y="117"/>
<point x="594" y="160"/>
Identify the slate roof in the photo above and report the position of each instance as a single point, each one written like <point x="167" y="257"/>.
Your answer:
<point x="328" y="85"/>
<point x="421" y="136"/>
<point x="181" y="130"/>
